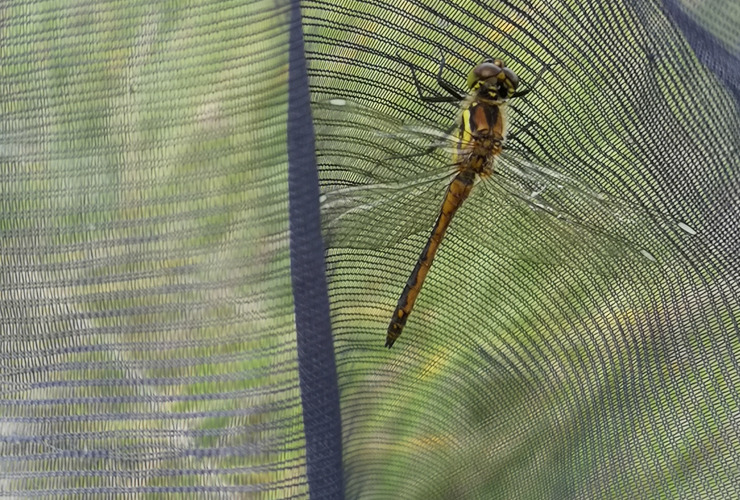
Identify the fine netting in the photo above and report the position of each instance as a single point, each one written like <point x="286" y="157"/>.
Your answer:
<point x="148" y="334"/>
<point x="537" y="362"/>
<point x="164" y="318"/>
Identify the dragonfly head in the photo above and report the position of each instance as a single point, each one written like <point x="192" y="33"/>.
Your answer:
<point x="493" y="75"/>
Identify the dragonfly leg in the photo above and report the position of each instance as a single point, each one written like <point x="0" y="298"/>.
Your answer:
<point x="523" y="150"/>
<point x="515" y="136"/>
<point x="453" y="98"/>
<point x="515" y="109"/>
<point x="543" y="70"/>
<point x="440" y="81"/>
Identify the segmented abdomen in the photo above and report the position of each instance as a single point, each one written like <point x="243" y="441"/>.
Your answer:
<point x="458" y="190"/>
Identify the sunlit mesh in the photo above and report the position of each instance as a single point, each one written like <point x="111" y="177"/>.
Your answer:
<point x="148" y="341"/>
<point x="164" y="315"/>
<point x="536" y="364"/>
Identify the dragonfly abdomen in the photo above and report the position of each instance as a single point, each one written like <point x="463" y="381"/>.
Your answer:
<point x="480" y="138"/>
<point x="458" y="190"/>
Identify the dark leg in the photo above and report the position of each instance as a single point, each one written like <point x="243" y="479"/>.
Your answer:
<point x="522" y="148"/>
<point x="446" y="86"/>
<point x="513" y="136"/>
<point x="545" y="67"/>
<point x="454" y="94"/>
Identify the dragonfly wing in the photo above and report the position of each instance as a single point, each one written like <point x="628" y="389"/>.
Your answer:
<point x="356" y="144"/>
<point x="558" y="219"/>
<point x="382" y="180"/>
<point x="375" y="216"/>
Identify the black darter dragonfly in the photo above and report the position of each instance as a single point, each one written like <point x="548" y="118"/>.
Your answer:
<point x="378" y="207"/>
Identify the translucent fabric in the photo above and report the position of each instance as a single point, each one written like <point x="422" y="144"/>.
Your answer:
<point x="179" y="318"/>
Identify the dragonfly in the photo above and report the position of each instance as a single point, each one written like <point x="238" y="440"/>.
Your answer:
<point x="379" y="207"/>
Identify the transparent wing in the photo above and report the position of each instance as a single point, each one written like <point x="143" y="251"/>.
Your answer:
<point x="394" y="181"/>
<point x="560" y="219"/>
<point x="378" y="215"/>
<point x="381" y="180"/>
<point x="358" y="145"/>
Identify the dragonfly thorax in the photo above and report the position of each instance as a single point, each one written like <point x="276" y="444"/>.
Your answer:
<point x="479" y="156"/>
<point x="481" y="135"/>
<point x="482" y="126"/>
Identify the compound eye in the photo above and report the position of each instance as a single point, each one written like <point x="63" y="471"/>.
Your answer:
<point x="483" y="71"/>
<point x="486" y="70"/>
<point x="512" y="77"/>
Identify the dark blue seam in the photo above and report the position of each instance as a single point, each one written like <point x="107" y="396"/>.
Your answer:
<point x="316" y="364"/>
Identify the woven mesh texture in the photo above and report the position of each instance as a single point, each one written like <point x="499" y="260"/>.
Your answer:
<point x="157" y="334"/>
<point x="148" y="338"/>
<point x="537" y="363"/>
